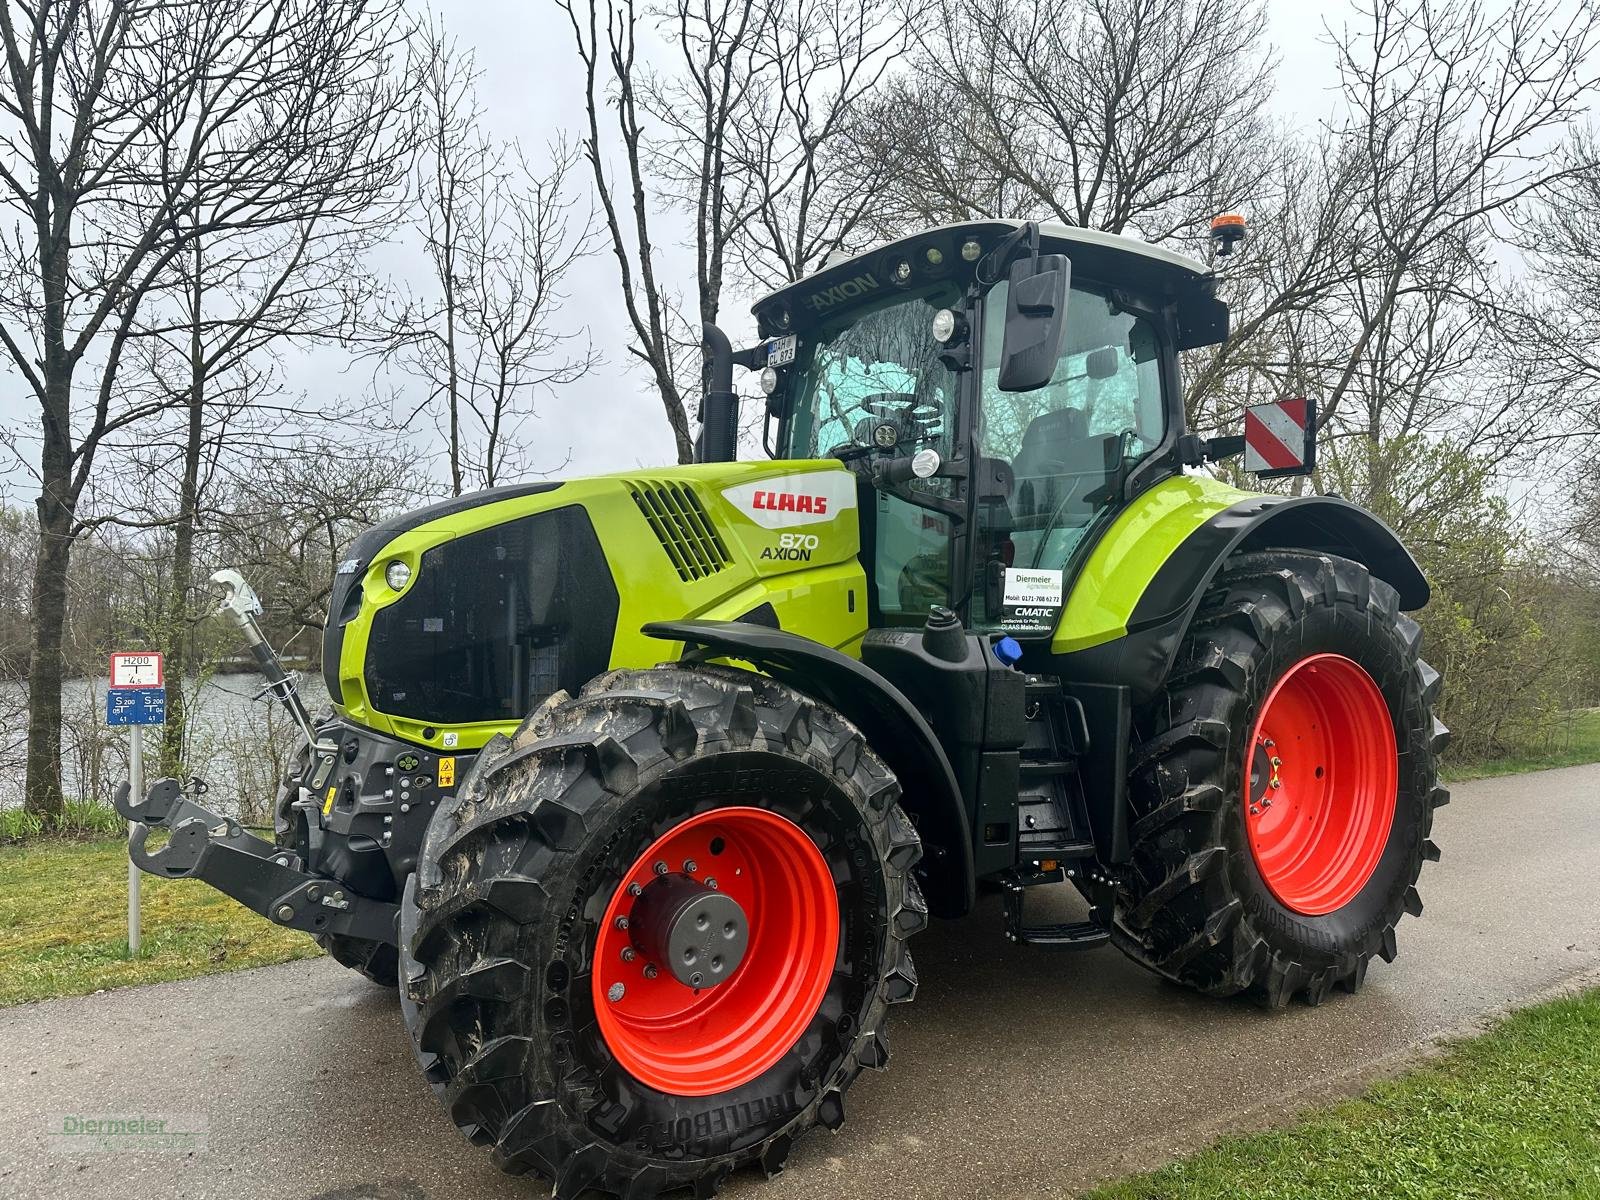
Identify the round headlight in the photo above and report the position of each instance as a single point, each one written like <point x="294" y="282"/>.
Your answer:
<point x="934" y="255"/>
<point x="781" y="317"/>
<point x="901" y="271"/>
<point x="944" y="325"/>
<point x="397" y="574"/>
<point x="769" y="380"/>
<point x="925" y="463"/>
<point x="970" y="251"/>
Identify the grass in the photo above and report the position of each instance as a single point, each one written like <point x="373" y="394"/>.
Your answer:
<point x="1514" y="1113"/>
<point x="63" y="924"/>
<point x="1580" y="745"/>
<point x="80" y="818"/>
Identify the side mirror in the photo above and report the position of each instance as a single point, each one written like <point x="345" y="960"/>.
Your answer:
<point x="1036" y="322"/>
<point x="1280" y="437"/>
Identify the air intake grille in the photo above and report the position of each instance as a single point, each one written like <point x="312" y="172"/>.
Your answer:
<point x="686" y="533"/>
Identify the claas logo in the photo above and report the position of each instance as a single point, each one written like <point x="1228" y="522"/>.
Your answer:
<point x="791" y="502"/>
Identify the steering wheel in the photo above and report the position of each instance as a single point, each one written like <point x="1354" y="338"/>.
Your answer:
<point x="915" y="416"/>
<point x="911" y="418"/>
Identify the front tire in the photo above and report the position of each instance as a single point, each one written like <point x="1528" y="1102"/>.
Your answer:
<point x="1284" y="785"/>
<point x="378" y="961"/>
<point x="529" y="1000"/>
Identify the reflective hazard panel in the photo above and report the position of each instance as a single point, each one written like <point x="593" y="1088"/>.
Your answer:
<point x="1280" y="437"/>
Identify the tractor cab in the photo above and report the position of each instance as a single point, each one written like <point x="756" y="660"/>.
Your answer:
<point x="1001" y="389"/>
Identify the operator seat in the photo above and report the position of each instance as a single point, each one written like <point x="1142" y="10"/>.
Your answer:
<point x="1054" y="444"/>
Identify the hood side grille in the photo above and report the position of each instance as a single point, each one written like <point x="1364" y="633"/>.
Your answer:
<point x="680" y="523"/>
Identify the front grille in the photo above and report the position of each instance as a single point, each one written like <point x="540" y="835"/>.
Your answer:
<point x="681" y="525"/>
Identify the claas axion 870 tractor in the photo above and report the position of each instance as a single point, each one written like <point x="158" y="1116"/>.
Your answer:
<point x="638" y="787"/>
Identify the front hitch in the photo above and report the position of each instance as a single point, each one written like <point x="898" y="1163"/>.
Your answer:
<point x="266" y="879"/>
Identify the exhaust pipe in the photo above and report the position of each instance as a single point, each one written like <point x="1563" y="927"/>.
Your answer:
<point x="719" y="411"/>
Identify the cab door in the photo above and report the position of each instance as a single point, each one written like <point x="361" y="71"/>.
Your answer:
<point x="1050" y="463"/>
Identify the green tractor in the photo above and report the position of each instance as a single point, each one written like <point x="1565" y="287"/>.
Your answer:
<point x="638" y="787"/>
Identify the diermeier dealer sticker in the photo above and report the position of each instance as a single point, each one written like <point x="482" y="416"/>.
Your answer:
<point x="789" y="500"/>
<point x="1034" y="588"/>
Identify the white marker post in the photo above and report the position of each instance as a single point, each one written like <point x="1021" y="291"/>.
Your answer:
<point x="136" y="697"/>
<point x="136" y="790"/>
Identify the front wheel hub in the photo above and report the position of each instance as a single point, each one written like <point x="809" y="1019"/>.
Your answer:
<point x="715" y="951"/>
<point x="698" y="934"/>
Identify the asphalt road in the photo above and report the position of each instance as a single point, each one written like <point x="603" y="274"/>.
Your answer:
<point x="1017" y="1072"/>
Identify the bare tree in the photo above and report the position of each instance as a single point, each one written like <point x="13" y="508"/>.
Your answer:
<point x="133" y="128"/>
<point x="744" y="129"/>
<point x="1141" y="116"/>
<point x="1374" y="283"/>
<point x="500" y="238"/>
<point x="1448" y="107"/>
<point x="288" y="533"/>
<point x="821" y="64"/>
<point x="605" y="36"/>
<point x="206" y="344"/>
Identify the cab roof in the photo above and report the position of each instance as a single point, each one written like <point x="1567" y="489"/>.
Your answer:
<point x="1155" y="275"/>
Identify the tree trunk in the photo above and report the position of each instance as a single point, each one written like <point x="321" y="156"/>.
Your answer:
<point x="174" y="738"/>
<point x="42" y="789"/>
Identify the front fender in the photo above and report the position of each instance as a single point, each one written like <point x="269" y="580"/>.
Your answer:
<point x="893" y="727"/>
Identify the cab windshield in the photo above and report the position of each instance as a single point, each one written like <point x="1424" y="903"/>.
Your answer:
<point x="872" y="378"/>
<point x="874" y="367"/>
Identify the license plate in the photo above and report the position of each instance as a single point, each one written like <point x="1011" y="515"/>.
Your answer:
<point x="781" y="351"/>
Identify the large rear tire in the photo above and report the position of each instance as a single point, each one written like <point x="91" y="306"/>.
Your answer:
<point x="1284" y="785"/>
<point x="583" y="850"/>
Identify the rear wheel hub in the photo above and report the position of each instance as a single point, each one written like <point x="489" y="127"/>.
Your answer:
<point x="1322" y="783"/>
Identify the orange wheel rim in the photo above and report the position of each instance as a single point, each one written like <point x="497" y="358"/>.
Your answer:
<point x="741" y="900"/>
<point x="1321" y="783"/>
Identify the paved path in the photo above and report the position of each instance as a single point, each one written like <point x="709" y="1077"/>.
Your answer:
<point x="1017" y="1072"/>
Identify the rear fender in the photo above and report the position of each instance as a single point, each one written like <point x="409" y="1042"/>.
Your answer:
<point x="893" y="727"/>
<point x="1142" y="657"/>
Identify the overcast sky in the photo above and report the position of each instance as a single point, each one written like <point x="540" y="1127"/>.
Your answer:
<point x="531" y="90"/>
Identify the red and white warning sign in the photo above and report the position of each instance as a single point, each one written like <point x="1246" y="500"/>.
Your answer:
<point x="139" y="670"/>
<point x="1278" y="437"/>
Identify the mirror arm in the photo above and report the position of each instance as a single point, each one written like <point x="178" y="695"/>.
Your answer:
<point x="1194" y="450"/>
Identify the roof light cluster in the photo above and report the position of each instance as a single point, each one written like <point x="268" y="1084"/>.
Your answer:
<point x="839" y="283"/>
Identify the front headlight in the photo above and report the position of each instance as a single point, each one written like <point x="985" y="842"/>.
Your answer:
<point x="397" y="574"/>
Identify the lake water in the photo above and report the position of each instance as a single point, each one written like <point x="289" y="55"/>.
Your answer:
<point x="240" y="741"/>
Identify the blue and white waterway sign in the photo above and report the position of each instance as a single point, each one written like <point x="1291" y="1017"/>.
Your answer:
<point x="136" y="706"/>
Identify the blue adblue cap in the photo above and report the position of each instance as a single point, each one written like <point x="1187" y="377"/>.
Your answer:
<point x="1009" y="651"/>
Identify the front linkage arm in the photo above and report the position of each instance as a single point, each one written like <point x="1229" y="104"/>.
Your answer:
<point x="264" y="878"/>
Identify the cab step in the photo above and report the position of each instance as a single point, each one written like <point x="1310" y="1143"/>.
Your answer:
<point x="1064" y="935"/>
<point x="1074" y="935"/>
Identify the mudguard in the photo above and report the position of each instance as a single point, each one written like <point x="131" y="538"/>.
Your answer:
<point x="894" y="728"/>
<point x="1142" y="654"/>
